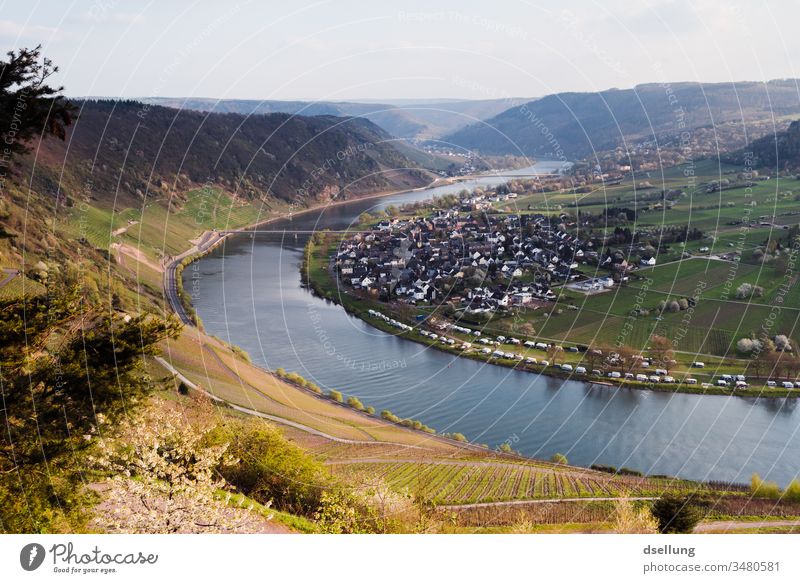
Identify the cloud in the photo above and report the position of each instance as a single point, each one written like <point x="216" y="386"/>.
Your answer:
<point x="11" y="29"/>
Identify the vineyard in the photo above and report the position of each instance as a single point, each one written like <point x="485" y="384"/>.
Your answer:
<point x="468" y="482"/>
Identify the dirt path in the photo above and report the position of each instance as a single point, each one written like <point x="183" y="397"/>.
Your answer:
<point x="12" y="273"/>
<point x="723" y="525"/>
<point x="544" y="501"/>
<point x="136" y="255"/>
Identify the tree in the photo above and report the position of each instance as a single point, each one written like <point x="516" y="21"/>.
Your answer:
<point x="559" y="458"/>
<point x="627" y="359"/>
<point x="594" y="356"/>
<point x="628" y="520"/>
<point x="662" y="351"/>
<point x="676" y="514"/>
<point x="29" y="106"/>
<point x="165" y="478"/>
<point x="554" y="352"/>
<point x="68" y="368"/>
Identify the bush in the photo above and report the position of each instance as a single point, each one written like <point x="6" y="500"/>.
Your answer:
<point x="183" y="389"/>
<point x="792" y="492"/>
<point x="336" y="396"/>
<point x="457" y="436"/>
<point x="355" y="403"/>
<point x="269" y="467"/>
<point x="370" y="410"/>
<point x="763" y="489"/>
<point x="389" y="416"/>
<point x="559" y="458"/>
<point x="676" y="514"/>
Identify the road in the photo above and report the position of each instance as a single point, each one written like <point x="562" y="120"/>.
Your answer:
<point x="206" y="241"/>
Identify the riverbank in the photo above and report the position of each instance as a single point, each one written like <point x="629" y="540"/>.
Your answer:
<point x="318" y="276"/>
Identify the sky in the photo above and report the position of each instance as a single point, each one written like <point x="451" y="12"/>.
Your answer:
<point x="340" y="50"/>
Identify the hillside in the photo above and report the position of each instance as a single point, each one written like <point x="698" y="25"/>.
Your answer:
<point x="131" y="149"/>
<point x="577" y="124"/>
<point x="778" y="151"/>
<point x="410" y="120"/>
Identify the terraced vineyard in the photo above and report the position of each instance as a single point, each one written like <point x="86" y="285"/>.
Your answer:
<point x="462" y="482"/>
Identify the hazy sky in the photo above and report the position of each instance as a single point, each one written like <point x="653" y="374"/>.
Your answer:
<point x="410" y="49"/>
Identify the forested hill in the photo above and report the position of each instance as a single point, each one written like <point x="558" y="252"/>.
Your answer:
<point x="577" y="124"/>
<point x="778" y="151"/>
<point x="127" y="149"/>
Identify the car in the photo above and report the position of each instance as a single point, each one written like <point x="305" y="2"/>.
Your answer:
<point x="541" y="346"/>
<point x="797" y="384"/>
<point x="597" y="372"/>
<point x="530" y="343"/>
<point x="740" y="377"/>
<point x="545" y="363"/>
<point x="772" y="384"/>
<point x="726" y="377"/>
<point x="629" y="375"/>
<point x="573" y="349"/>
<point x="642" y="378"/>
<point x="722" y="383"/>
<point x="501" y="338"/>
<point x="514" y="341"/>
<point x="654" y="378"/>
<point x="661" y="371"/>
<point x="645" y="364"/>
<point x="614" y="375"/>
<point x="743" y="385"/>
<point x="486" y="350"/>
<point x="530" y="361"/>
<point x="787" y="385"/>
<point x="566" y="367"/>
<point x="698" y="364"/>
<point x="580" y="370"/>
<point x="706" y="385"/>
<point x="668" y="379"/>
<point x="691" y="381"/>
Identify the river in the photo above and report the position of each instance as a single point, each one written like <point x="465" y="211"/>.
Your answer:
<point x="248" y="292"/>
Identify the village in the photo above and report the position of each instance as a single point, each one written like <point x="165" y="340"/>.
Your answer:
<point x="475" y="261"/>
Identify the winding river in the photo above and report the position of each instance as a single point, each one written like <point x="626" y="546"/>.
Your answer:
<point x="248" y="292"/>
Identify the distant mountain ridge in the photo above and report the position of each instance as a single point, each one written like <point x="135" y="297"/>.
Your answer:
<point x="577" y="124"/>
<point x="128" y="148"/>
<point x="406" y="119"/>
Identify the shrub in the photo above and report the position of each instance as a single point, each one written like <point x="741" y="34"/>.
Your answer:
<point x="763" y="489"/>
<point x="370" y="410"/>
<point x="676" y="514"/>
<point x="269" y="467"/>
<point x="559" y="458"/>
<point x="336" y="396"/>
<point x="389" y="416"/>
<point x="457" y="436"/>
<point x="673" y="306"/>
<point x="505" y="447"/>
<point x="183" y="389"/>
<point x="629" y="520"/>
<point x="792" y="492"/>
<point x="355" y="403"/>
